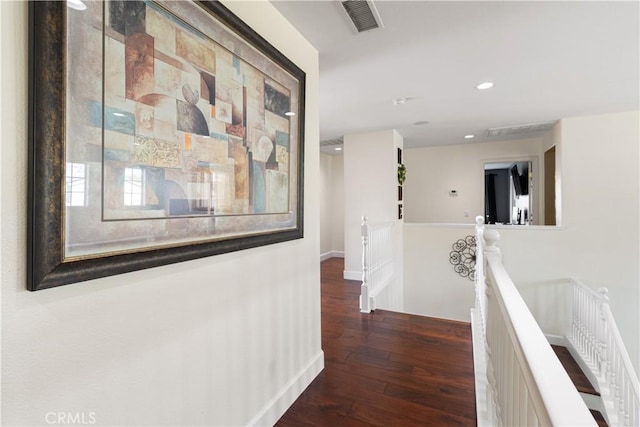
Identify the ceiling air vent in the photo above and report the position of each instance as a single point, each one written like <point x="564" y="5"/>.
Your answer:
<point x="363" y="14"/>
<point x="521" y="129"/>
<point x="331" y="142"/>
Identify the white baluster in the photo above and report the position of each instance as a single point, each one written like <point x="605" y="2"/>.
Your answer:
<point x="532" y="419"/>
<point x="583" y="316"/>
<point x="592" y="328"/>
<point x="365" y="305"/>
<point x="522" y="399"/>
<point x="610" y="364"/>
<point x="618" y="388"/>
<point x="510" y="389"/>
<point x="600" y="332"/>
<point x="576" y="316"/>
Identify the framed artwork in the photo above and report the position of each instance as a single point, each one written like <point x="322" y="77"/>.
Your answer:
<point x="159" y="132"/>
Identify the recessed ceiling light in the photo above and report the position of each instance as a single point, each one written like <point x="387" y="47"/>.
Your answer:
<point x="338" y="148"/>
<point x="485" y="85"/>
<point x="421" y="122"/>
<point x="76" y="4"/>
<point x="289" y="113"/>
<point x="469" y="136"/>
<point x="399" y="101"/>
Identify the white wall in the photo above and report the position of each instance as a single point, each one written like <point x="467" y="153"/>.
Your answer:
<point x="370" y="188"/>
<point x="331" y="205"/>
<point x="325" y="211"/>
<point x="337" y="204"/>
<point x="600" y="198"/>
<point x="225" y="340"/>
<point x="431" y="287"/>
<point x="598" y="243"/>
<point x="433" y="171"/>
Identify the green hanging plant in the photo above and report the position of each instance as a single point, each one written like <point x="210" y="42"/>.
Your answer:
<point x="402" y="173"/>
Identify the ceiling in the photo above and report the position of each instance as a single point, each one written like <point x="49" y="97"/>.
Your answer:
<point x="548" y="61"/>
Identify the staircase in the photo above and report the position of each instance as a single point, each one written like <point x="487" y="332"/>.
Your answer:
<point x="582" y="383"/>
<point x="521" y="379"/>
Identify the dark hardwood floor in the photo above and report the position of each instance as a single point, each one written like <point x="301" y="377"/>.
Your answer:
<point x="385" y="368"/>
<point x="578" y="378"/>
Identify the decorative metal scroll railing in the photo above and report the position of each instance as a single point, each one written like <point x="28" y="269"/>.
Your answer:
<point x="377" y="262"/>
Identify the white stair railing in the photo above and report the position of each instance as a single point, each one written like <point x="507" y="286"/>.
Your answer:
<point x="522" y="381"/>
<point x="594" y="335"/>
<point x="377" y="262"/>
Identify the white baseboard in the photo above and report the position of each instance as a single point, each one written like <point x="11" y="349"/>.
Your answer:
<point x="584" y="366"/>
<point x="564" y="342"/>
<point x="288" y="394"/>
<point x="594" y="402"/>
<point x="557" y="340"/>
<point x="331" y="254"/>
<point x="352" y="275"/>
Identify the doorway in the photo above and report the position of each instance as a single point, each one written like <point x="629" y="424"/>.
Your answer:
<point x="508" y="198"/>
<point x="550" y="186"/>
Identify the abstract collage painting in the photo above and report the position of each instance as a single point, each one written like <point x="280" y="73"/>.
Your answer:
<point x="182" y="126"/>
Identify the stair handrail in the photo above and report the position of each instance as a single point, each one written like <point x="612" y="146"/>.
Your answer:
<point x="377" y="261"/>
<point x="526" y="383"/>
<point x="595" y="336"/>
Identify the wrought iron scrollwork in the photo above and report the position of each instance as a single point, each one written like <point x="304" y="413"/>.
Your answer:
<point x="463" y="257"/>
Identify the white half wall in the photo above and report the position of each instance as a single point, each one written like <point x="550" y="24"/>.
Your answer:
<point x="598" y="243"/>
<point x="432" y="172"/>
<point x="431" y="287"/>
<point x="226" y="340"/>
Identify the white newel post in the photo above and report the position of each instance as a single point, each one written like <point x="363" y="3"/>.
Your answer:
<point x="479" y="249"/>
<point x="365" y="300"/>
<point x="491" y="237"/>
<point x="601" y="333"/>
<point x="496" y="344"/>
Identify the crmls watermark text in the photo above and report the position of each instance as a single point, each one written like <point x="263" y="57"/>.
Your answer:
<point x="70" y="418"/>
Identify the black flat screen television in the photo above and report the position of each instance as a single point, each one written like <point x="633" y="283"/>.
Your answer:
<point x="519" y="181"/>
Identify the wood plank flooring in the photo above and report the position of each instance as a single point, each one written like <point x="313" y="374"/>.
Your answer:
<point x="578" y="377"/>
<point x="385" y="368"/>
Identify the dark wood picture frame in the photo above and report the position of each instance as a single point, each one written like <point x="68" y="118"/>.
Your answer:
<point x="47" y="265"/>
